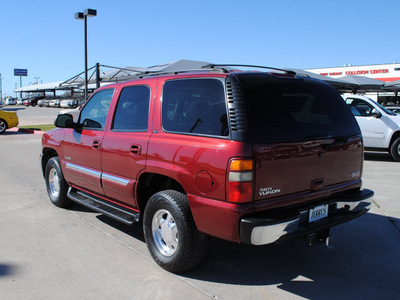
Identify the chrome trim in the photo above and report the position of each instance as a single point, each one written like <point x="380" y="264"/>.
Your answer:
<point x="115" y="179"/>
<point x="83" y="170"/>
<point x="262" y="235"/>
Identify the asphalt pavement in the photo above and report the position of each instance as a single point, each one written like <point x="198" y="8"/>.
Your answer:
<point x="52" y="253"/>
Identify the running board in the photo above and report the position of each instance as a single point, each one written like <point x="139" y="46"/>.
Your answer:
<point x="111" y="210"/>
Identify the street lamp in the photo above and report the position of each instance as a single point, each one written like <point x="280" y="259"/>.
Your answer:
<point x="83" y="16"/>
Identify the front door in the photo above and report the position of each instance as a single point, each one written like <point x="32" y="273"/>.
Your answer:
<point x="82" y="146"/>
<point x="373" y="128"/>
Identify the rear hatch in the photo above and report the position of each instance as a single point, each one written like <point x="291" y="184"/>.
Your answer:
<point x="305" y="137"/>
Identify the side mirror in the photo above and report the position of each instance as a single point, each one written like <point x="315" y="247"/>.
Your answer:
<point x="91" y="123"/>
<point x="64" y="121"/>
<point x="376" y="113"/>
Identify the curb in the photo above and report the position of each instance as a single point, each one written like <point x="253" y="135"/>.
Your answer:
<point x="26" y="130"/>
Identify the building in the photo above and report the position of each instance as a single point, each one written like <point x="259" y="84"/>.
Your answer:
<point x="383" y="72"/>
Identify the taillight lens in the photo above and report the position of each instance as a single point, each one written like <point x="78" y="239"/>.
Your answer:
<point x="240" y="180"/>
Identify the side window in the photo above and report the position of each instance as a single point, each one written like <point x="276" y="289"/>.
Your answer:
<point x="360" y="107"/>
<point x="132" y="113"/>
<point x="94" y="114"/>
<point x="195" y="106"/>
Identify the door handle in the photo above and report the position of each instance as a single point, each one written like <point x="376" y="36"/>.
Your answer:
<point x="136" y="149"/>
<point x="96" y="144"/>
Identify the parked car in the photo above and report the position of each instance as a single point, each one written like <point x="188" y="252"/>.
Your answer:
<point x="32" y="101"/>
<point x="68" y="103"/>
<point x="394" y="109"/>
<point x="249" y="157"/>
<point x="54" y="103"/>
<point x="46" y="102"/>
<point x="380" y="127"/>
<point x="20" y="101"/>
<point x="8" y="119"/>
<point x="10" y="101"/>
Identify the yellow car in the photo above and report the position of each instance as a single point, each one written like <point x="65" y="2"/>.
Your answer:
<point x="8" y="119"/>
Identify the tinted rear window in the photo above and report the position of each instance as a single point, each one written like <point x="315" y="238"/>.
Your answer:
<point x="294" y="109"/>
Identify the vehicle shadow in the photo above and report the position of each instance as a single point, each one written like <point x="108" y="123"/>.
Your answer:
<point x="363" y="264"/>
<point x="378" y="156"/>
<point x="13" y="108"/>
<point x="6" y="270"/>
<point x="11" y="133"/>
<point x="135" y="230"/>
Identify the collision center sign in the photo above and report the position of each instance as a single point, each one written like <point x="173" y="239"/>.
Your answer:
<point x="20" y="72"/>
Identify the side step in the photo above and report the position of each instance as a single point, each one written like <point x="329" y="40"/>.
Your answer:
<point x="114" y="211"/>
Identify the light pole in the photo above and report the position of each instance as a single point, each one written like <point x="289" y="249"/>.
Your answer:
<point x="83" y="16"/>
<point x="1" y="90"/>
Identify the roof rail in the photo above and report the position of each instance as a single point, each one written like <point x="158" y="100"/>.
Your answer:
<point x="220" y="66"/>
<point x="205" y="68"/>
<point x="157" y="73"/>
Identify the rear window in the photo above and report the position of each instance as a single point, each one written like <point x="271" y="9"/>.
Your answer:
<point x="294" y="109"/>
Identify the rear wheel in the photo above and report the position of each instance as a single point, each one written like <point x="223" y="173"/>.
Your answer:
<point x="395" y="149"/>
<point x="56" y="185"/>
<point x="170" y="232"/>
<point x="3" y="126"/>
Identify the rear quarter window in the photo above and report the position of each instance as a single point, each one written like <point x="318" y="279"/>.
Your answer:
<point x="195" y="106"/>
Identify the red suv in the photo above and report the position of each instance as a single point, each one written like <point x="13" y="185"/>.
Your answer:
<point x="245" y="156"/>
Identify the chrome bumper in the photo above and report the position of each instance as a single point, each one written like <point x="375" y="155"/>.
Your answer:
<point x="294" y="224"/>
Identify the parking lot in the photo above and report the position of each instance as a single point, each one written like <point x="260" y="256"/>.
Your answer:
<point x="51" y="253"/>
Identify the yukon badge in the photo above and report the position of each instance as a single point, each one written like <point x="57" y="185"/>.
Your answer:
<point x="268" y="191"/>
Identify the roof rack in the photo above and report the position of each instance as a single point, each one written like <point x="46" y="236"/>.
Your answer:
<point x="157" y="73"/>
<point x="205" y="68"/>
<point x="220" y="66"/>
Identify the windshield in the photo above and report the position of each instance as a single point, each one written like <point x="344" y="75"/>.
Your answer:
<point x="385" y="110"/>
<point x="289" y="109"/>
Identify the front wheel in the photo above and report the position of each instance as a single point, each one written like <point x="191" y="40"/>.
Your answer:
<point x="170" y="232"/>
<point x="56" y="185"/>
<point x="395" y="149"/>
<point x="3" y="126"/>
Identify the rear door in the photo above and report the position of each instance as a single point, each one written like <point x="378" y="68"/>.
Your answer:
<point x="125" y="145"/>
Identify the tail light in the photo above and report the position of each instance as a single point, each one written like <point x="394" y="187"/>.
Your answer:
<point x="240" y="180"/>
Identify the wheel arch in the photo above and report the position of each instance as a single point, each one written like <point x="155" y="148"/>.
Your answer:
<point x="5" y="122"/>
<point x="395" y="136"/>
<point x="151" y="183"/>
<point x="47" y="153"/>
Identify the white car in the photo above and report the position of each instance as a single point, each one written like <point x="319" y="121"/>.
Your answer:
<point x="10" y="101"/>
<point x="380" y="127"/>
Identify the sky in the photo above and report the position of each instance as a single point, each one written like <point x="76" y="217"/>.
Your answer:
<point x="45" y="38"/>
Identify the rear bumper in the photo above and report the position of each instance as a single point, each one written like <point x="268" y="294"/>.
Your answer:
<point x="293" y="223"/>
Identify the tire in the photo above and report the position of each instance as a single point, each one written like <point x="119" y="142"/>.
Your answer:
<point x="395" y="149"/>
<point x="170" y="232"/>
<point x="3" y="126"/>
<point x="56" y="185"/>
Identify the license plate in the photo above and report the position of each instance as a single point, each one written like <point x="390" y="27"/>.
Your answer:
<point x="318" y="213"/>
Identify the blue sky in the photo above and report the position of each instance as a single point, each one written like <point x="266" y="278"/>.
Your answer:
<point x="44" y="37"/>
